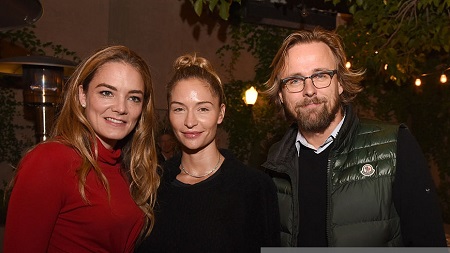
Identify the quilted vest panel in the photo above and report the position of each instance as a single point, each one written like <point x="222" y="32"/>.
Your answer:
<point x="361" y="210"/>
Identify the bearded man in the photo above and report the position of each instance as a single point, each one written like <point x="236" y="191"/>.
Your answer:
<point x="342" y="181"/>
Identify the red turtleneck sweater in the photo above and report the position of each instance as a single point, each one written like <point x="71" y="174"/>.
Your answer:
<point x="47" y="214"/>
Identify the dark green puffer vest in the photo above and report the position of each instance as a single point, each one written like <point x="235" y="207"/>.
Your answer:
<point x="361" y="172"/>
<point x="361" y="208"/>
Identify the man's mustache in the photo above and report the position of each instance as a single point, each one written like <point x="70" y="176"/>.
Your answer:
<point x="309" y="101"/>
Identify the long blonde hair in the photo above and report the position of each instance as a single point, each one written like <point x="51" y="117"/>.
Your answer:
<point x="139" y="156"/>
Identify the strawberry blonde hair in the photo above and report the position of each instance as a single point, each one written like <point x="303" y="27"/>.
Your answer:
<point x="139" y="156"/>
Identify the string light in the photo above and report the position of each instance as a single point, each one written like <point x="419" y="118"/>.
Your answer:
<point x="443" y="78"/>
<point x="418" y="82"/>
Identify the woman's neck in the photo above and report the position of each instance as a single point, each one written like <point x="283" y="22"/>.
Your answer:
<point x="198" y="166"/>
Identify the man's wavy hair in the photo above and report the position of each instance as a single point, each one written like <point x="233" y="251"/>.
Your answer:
<point x="348" y="78"/>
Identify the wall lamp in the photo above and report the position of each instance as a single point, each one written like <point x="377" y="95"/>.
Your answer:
<point x="42" y="81"/>
<point x="250" y="96"/>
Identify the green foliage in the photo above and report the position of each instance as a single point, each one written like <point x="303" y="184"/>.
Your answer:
<point x="4" y="199"/>
<point x="222" y="6"/>
<point x="252" y="130"/>
<point x="26" y="38"/>
<point x="398" y="34"/>
<point x="10" y="146"/>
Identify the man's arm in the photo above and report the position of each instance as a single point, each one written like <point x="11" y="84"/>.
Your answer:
<point x="415" y="197"/>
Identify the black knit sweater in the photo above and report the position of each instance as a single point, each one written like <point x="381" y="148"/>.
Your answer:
<point x="235" y="210"/>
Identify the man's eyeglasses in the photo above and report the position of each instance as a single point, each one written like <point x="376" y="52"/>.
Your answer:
<point x="320" y="80"/>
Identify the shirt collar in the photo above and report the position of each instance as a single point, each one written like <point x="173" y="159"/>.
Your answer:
<point x="301" y="140"/>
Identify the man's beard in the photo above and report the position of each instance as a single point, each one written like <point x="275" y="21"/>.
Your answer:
<point x="317" y="120"/>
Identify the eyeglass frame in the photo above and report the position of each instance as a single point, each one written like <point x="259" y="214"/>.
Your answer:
<point x="331" y="73"/>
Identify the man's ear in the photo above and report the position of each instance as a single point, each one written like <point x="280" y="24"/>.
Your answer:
<point x="340" y="88"/>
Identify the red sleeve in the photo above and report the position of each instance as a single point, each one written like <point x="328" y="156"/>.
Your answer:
<point x="36" y="199"/>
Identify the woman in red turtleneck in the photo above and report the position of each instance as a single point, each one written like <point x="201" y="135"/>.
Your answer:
<point x="91" y="188"/>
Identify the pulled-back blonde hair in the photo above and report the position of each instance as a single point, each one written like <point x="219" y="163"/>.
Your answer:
<point x="139" y="156"/>
<point x="192" y="66"/>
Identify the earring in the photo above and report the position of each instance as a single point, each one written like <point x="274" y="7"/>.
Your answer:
<point x="83" y="105"/>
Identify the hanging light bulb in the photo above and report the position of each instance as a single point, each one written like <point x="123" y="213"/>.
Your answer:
<point x="443" y="78"/>
<point x="348" y="64"/>
<point x="385" y="66"/>
<point x="418" y="82"/>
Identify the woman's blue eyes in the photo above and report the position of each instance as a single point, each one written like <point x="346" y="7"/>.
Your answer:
<point x="107" y="93"/>
<point x="136" y="99"/>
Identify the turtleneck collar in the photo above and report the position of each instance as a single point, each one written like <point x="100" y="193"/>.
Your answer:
<point x="107" y="156"/>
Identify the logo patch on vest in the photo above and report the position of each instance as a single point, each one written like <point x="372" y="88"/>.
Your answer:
<point x="367" y="170"/>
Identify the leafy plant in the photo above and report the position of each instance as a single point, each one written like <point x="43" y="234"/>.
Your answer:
<point x="251" y="130"/>
<point x="11" y="147"/>
<point x="222" y="6"/>
<point x="27" y="39"/>
<point x="396" y="39"/>
<point x="12" y="144"/>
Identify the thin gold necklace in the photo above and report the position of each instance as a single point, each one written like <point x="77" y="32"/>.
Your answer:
<point x="201" y="176"/>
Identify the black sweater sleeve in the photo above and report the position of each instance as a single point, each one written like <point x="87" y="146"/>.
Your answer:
<point x="415" y="197"/>
<point x="272" y="213"/>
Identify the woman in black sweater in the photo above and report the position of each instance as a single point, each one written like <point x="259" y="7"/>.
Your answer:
<point x="208" y="201"/>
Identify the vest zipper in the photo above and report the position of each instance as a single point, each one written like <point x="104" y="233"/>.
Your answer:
<point x="328" y="218"/>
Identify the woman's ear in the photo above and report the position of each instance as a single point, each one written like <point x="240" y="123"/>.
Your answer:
<point x="82" y="96"/>
<point x="221" y="113"/>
